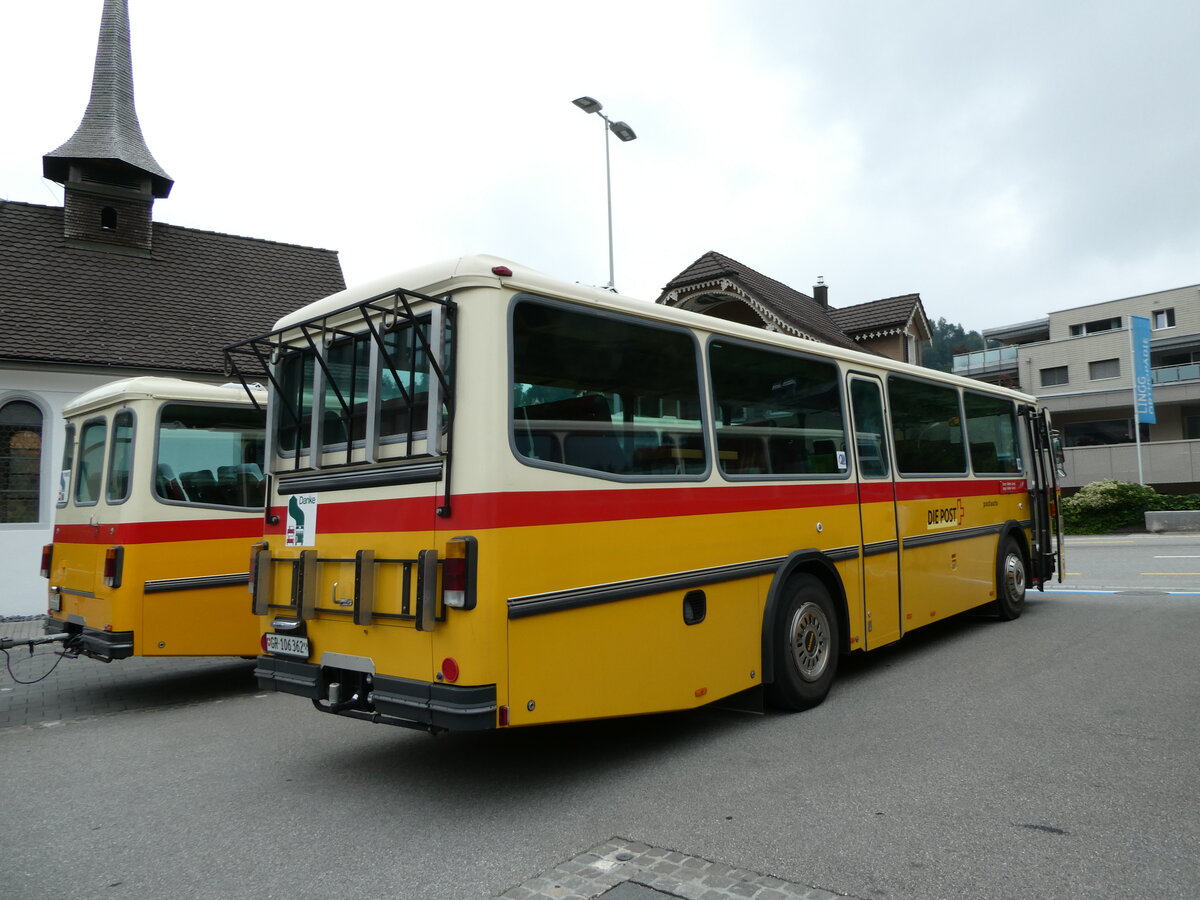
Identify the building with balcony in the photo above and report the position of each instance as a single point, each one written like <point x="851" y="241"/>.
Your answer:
<point x="1079" y="362"/>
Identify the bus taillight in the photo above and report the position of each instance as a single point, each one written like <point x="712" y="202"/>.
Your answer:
<point x="114" y="559"/>
<point x="47" y="559"/>
<point x="458" y="573"/>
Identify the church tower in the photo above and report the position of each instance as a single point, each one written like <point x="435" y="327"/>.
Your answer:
<point x="109" y="177"/>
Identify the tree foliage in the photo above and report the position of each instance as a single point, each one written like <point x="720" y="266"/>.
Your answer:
<point x="949" y="339"/>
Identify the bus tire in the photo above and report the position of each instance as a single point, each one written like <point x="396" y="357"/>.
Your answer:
<point x="1011" y="579"/>
<point x="806" y="645"/>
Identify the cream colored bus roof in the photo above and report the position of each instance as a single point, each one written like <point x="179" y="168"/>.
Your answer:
<point x="437" y="278"/>
<point x="153" y="387"/>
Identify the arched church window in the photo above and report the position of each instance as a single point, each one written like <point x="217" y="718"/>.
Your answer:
<point x="20" y="462"/>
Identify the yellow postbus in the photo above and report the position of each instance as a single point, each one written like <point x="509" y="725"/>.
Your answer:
<point x="160" y="500"/>
<point x="499" y="499"/>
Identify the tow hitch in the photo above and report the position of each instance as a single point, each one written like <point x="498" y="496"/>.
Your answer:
<point x="72" y="642"/>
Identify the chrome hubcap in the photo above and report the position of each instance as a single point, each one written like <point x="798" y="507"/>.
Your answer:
<point x="810" y="641"/>
<point x="1014" y="576"/>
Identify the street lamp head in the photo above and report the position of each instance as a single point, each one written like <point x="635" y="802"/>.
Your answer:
<point x="622" y="131"/>
<point x="588" y="104"/>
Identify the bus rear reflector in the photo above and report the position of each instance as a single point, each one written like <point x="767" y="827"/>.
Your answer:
<point x="450" y="669"/>
<point x="114" y="558"/>
<point x="458" y="573"/>
<point x="47" y="559"/>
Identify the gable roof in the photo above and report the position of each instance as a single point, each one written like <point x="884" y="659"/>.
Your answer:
<point x="879" y="318"/>
<point x="174" y="311"/>
<point x="782" y="306"/>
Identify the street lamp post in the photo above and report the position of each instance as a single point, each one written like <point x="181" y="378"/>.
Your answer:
<point x="623" y="133"/>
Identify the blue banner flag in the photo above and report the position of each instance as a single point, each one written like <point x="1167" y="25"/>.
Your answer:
<point x="1143" y="385"/>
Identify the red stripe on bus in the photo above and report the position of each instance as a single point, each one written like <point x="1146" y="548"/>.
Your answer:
<point x="159" y="532"/>
<point x="941" y="490"/>
<point x="528" y="508"/>
<point x="531" y="508"/>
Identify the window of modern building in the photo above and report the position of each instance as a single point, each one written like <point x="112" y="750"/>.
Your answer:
<point x="1054" y="375"/>
<point x="1096" y="326"/>
<point x="20" y="462"/>
<point x="1104" y="368"/>
<point x="1182" y="358"/>
<point x="1110" y="431"/>
<point x="1191" y="427"/>
<point x="1163" y="318"/>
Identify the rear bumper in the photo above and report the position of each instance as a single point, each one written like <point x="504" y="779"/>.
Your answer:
<point x="105" y="644"/>
<point x="382" y="698"/>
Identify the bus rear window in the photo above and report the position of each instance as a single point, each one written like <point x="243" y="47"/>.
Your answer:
<point x="120" y="459"/>
<point x="68" y="462"/>
<point x="209" y="456"/>
<point x="91" y="462"/>
<point x="402" y="397"/>
<point x="605" y="393"/>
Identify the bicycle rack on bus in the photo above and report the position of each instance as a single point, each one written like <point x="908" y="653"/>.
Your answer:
<point x="383" y="314"/>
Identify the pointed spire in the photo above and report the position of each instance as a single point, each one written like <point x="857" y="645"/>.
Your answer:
<point x="110" y="131"/>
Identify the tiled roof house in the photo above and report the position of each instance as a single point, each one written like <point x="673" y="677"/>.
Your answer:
<point x="96" y="290"/>
<point x="720" y="286"/>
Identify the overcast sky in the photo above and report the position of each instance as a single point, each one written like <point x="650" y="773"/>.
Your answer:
<point x="1003" y="159"/>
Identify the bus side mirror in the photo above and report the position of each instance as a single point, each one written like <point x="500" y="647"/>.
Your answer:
<point x="1060" y="458"/>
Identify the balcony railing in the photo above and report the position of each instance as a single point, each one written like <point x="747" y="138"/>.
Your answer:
<point x="985" y="360"/>
<point x="1167" y="374"/>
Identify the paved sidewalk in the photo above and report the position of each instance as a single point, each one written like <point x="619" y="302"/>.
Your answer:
<point x="44" y="688"/>
<point x="621" y="869"/>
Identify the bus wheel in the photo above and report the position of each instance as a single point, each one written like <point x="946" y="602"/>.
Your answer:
<point x="1010" y="580"/>
<point x="806" y="646"/>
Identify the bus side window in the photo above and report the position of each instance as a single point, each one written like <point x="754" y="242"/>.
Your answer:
<point x="604" y="393"/>
<point x="784" y="403"/>
<point x="992" y="432"/>
<point x="926" y="427"/>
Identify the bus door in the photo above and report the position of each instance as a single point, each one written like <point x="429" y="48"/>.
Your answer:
<point x="1045" y="496"/>
<point x="877" y="512"/>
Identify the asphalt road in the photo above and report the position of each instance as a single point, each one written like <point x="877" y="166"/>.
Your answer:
<point x="1051" y="757"/>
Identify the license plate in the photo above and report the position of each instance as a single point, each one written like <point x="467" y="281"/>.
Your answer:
<point x="287" y="645"/>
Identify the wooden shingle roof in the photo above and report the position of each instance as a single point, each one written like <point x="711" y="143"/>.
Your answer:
<point x="174" y="311"/>
<point x="880" y="317"/>
<point x="793" y="311"/>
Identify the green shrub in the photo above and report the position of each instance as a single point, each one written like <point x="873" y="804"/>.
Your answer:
<point x="1104" y="506"/>
<point x="1177" y="501"/>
